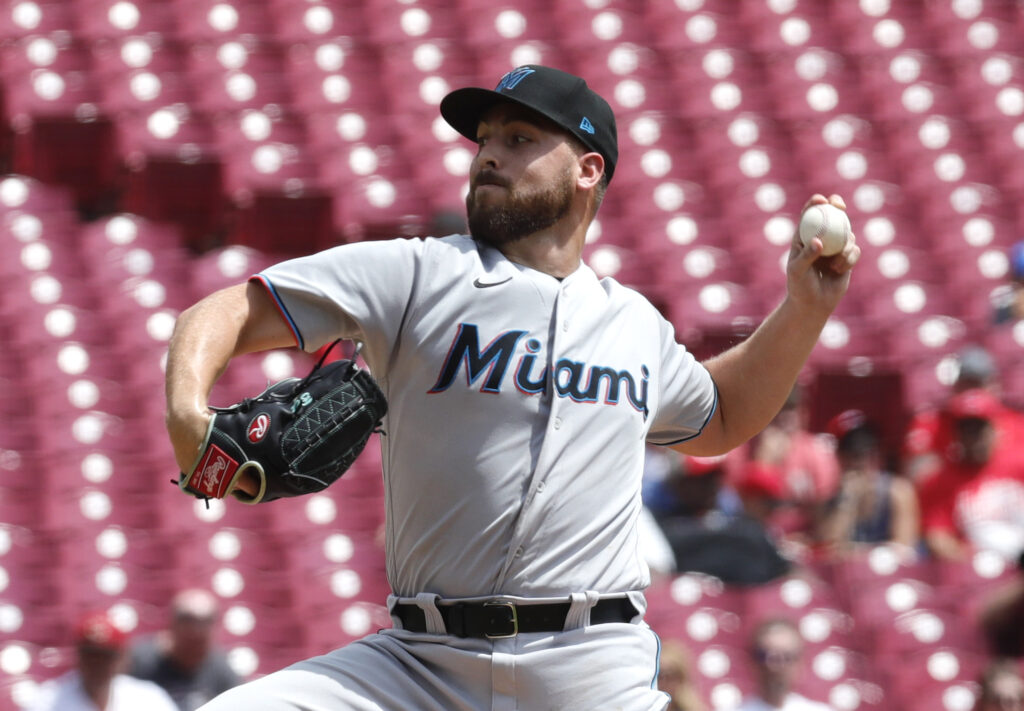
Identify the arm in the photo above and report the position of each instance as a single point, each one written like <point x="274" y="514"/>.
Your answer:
<point x="906" y="514"/>
<point x="755" y="376"/>
<point x="236" y="320"/>
<point x="838" y="521"/>
<point x="944" y="545"/>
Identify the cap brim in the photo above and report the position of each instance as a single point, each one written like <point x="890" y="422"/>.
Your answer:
<point x="463" y="108"/>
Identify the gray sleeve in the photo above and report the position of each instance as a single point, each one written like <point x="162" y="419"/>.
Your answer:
<point x="687" y="395"/>
<point x="358" y="291"/>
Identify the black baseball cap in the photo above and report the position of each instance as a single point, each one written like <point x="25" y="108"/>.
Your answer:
<point x="559" y="96"/>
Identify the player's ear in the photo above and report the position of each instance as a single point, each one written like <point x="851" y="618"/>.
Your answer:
<point x="591" y="169"/>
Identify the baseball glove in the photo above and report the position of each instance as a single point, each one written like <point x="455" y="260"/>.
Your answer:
<point x="297" y="437"/>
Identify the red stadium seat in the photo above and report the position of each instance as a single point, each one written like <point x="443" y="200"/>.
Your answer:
<point x="214" y="20"/>
<point x="922" y="629"/>
<point x="926" y="671"/>
<point x="24" y="19"/>
<point x="101" y="20"/>
<point x="308" y="23"/>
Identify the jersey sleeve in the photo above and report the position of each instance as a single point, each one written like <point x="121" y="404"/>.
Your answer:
<point x="357" y="291"/>
<point x="687" y="396"/>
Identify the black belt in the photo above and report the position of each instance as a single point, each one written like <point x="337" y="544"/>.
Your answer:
<point x="497" y="619"/>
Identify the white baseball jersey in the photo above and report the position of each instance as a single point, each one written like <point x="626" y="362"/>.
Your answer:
<point x="518" y="408"/>
<point x="66" y="693"/>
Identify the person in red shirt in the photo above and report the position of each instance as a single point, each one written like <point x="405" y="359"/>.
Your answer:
<point x="929" y="437"/>
<point x="975" y="499"/>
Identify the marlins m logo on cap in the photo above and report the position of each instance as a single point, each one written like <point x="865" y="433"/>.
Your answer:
<point x="511" y="80"/>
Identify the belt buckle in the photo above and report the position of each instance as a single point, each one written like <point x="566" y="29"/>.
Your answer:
<point x="513" y="619"/>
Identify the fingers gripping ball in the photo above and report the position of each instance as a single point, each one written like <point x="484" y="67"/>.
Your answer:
<point x="829" y="224"/>
<point x="297" y="437"/>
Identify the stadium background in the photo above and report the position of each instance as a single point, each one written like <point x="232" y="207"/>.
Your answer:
<point x="153" y="151"/>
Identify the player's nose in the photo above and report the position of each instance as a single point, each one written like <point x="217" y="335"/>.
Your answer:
<point x="487" y="156"/>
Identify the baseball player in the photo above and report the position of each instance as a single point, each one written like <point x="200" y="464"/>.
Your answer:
<point x="521" y="391"/>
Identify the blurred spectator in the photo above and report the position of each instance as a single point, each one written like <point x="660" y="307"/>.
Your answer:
<point x="1002" y="688"/>
<point x="96" y="683"/>
<point x="761" y="492"/>
<point x="802" y="460"/>
<point x="1002" y="616"/>
<point x="929" y="435"/>
<point x="183" y="659"/>
<point x="661" y="492"/>
<point x="676" y="678"/>
<point x="976" y="498"/>
<point x="1009" y="303"/>
<point x="777" y="653"/>
<point x="734" y="547"/>
<point x="873" y="505"/>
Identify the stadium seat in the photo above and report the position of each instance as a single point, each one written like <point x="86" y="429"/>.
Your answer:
<point x="795" y="597"/>
<point x="839" y="676"/>
<point x="28" y="18"/>
<point x="353" y="84"/>
<point x="394" y="23"/>
<point x="214" y="20"/>
<point x="723" y="674"/>
<point x="877" y="605"/>
<point x="503" y="23"/>
<point x="923" y="673"/>
<point x="308" y="23"/>
<point x="674" y="28"/>
<point x="773" y="32"/>
<point x="811" y="84"/>
<point x="922" y="629"/>
<point x="42" y="53"/>
<point x="100" y="20"/>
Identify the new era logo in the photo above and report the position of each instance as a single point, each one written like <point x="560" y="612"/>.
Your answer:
<point x="511" y="80"/>
<point x="585" y="125"/>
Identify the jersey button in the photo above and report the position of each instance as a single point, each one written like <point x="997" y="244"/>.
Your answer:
<point x="565" y="325"/>
<point x="558" y="423"/>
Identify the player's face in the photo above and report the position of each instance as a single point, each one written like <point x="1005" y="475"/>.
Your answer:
<point x="522" y="179"/>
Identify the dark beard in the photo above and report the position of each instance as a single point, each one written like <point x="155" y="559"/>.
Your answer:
<point x="521" y="215"/>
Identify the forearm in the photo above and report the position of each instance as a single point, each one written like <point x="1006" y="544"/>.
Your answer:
<point x="944" y="545"/>
<point x="236" y="320"/>
<point x="205" y="338"/>
<point x="906" y="519"/>
<point x="837" y="525"/>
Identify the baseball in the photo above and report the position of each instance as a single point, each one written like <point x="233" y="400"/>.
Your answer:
<point x="829" y="224"/>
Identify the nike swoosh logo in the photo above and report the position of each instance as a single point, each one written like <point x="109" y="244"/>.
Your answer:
<point x="484" y="284"/>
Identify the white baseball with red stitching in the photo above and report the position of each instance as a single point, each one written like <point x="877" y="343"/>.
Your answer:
<point x="829" y="224"/>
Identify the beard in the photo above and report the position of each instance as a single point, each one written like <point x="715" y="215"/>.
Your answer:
<point x="521" y="214"/>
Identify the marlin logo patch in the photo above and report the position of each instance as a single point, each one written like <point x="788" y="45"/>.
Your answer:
<point x="511" y="80"/>
<point x="585" y="125"/>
